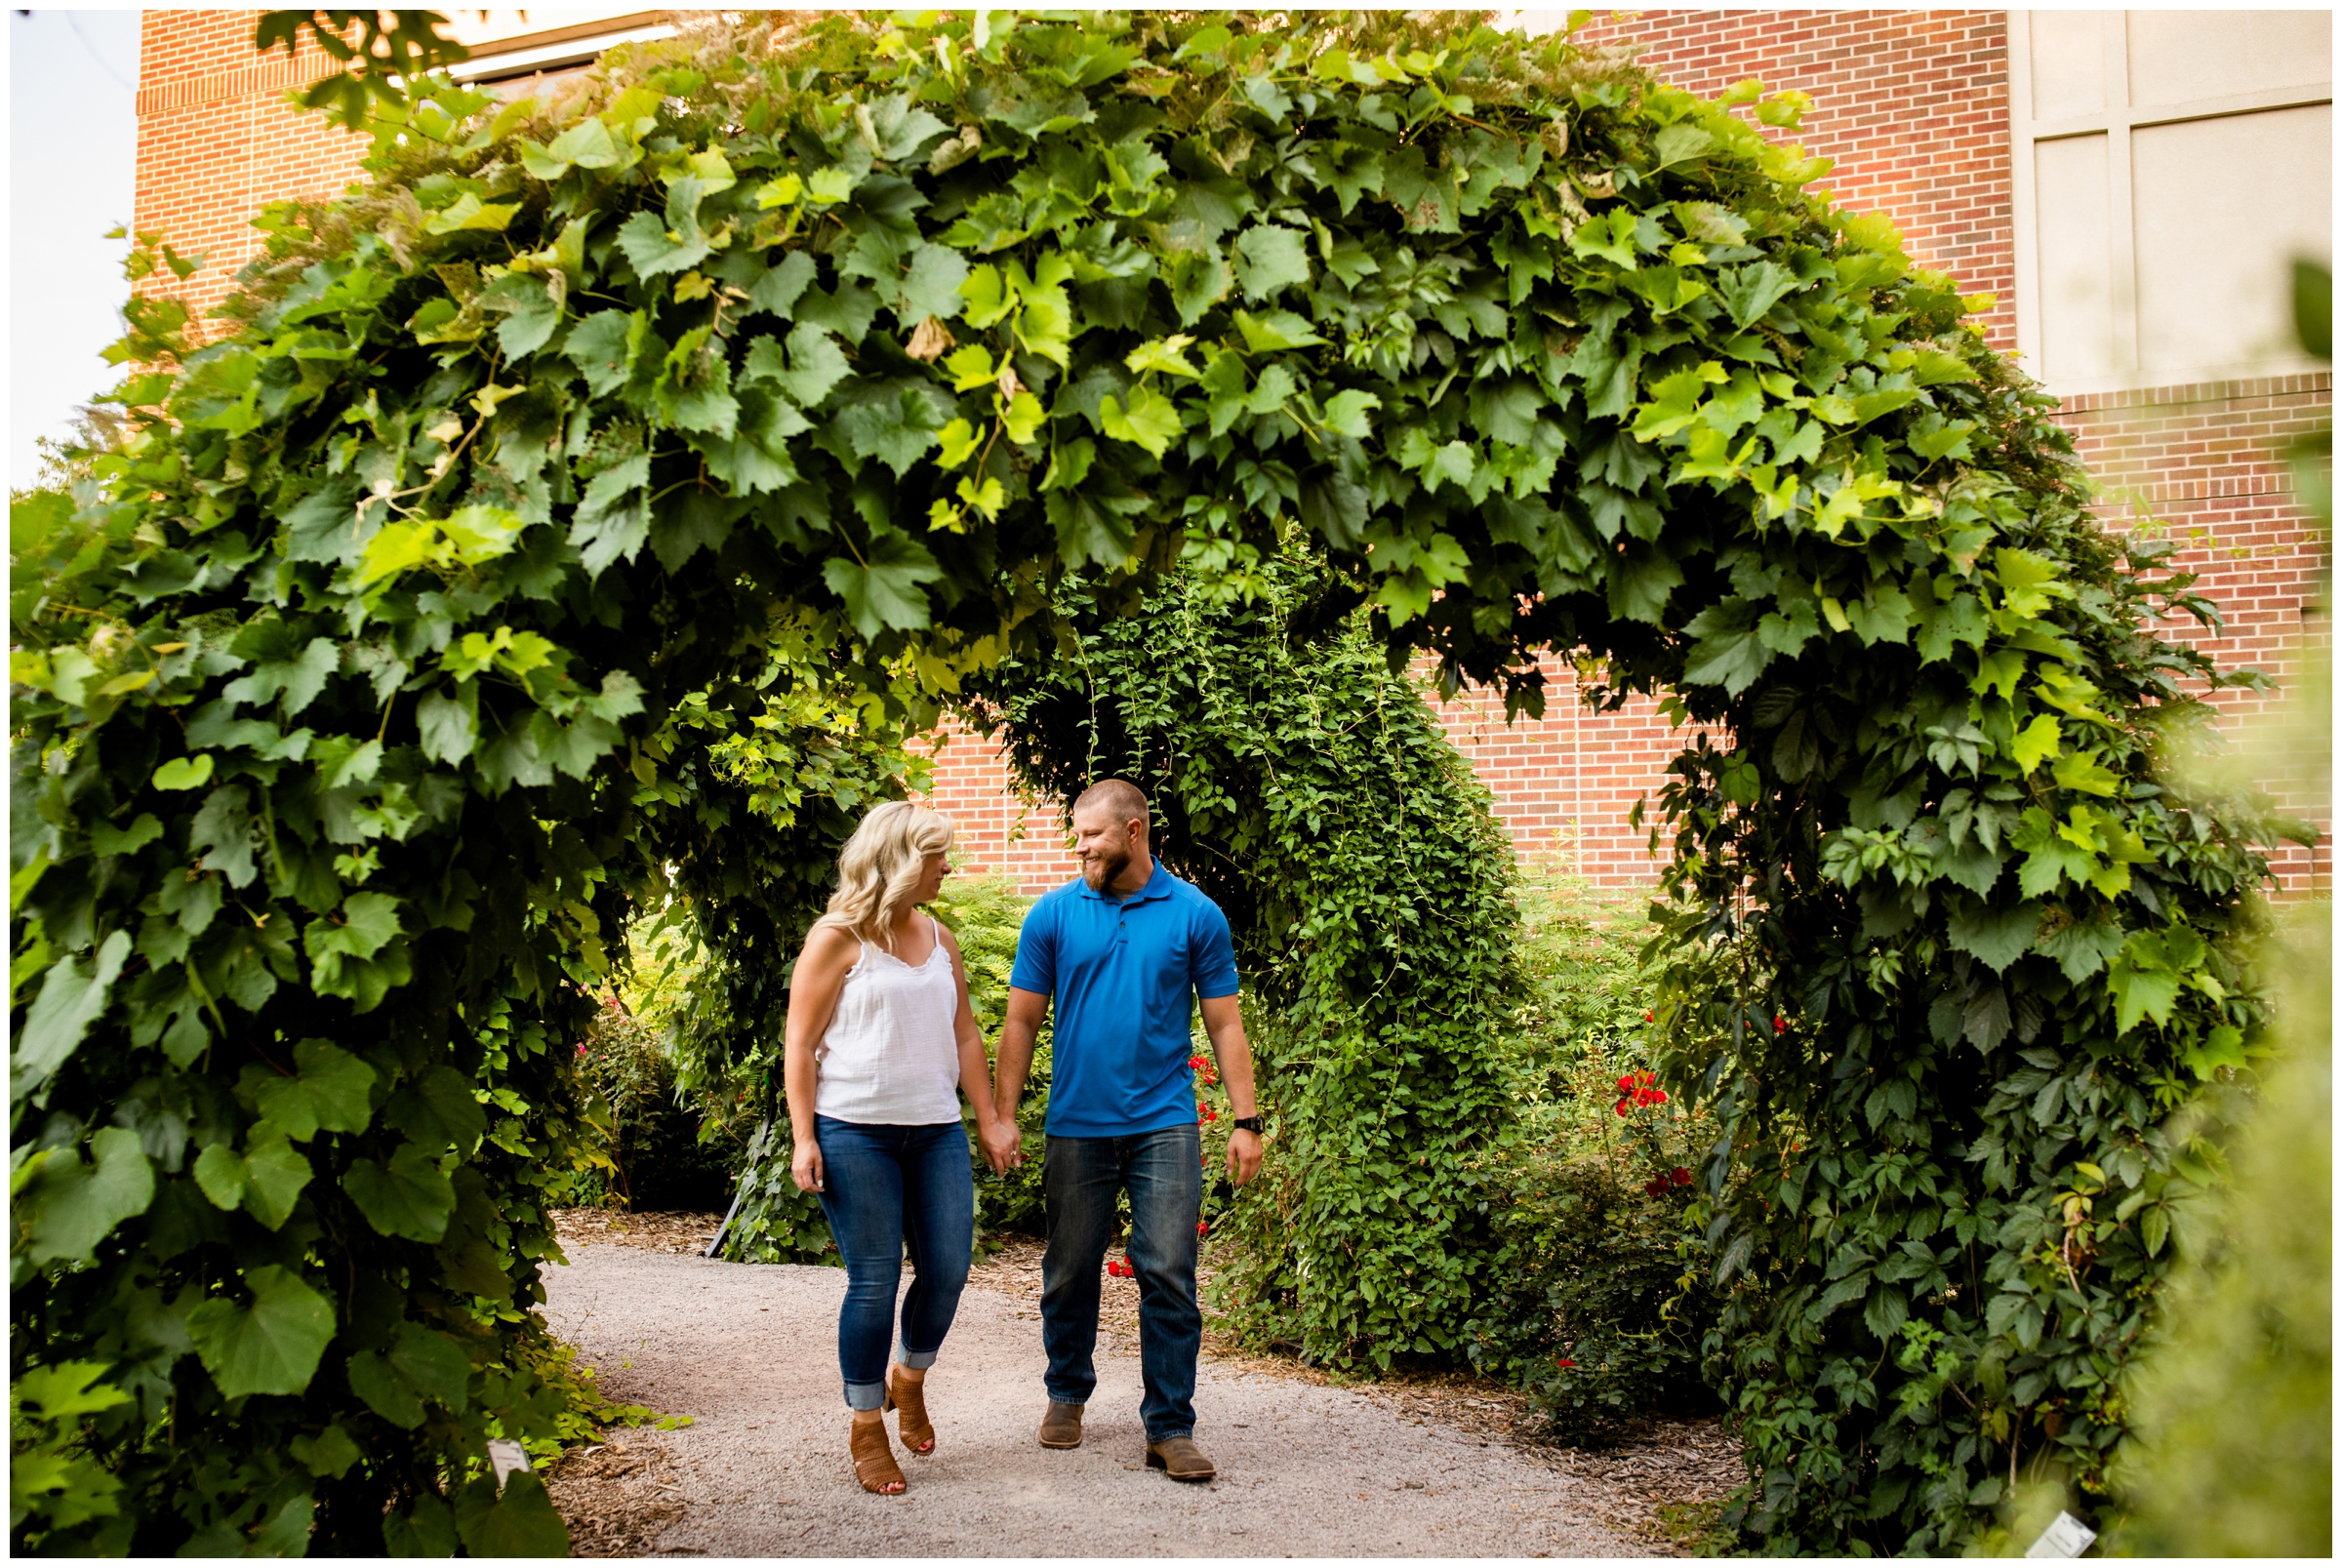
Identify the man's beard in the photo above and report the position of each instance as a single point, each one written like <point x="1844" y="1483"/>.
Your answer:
<point x="1101" y="870"/>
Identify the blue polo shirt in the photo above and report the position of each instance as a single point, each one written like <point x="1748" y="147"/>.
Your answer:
<point x="1121" y="973"/>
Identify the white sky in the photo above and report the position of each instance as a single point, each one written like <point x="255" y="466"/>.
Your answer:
<point x="73" y="167"/>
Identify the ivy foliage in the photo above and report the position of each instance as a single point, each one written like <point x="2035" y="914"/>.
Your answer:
<point x="345" y="719"/>
<point x="1311" y="794"/>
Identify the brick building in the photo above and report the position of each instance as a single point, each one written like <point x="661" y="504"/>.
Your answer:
<point x="2128" y="186"/>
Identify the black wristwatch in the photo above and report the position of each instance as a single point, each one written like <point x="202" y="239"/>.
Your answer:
<point x="1249" y="1124"/>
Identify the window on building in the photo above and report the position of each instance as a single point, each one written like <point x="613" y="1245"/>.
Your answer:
<point x="2169" y="166"/>
<point x="509" y="45"/>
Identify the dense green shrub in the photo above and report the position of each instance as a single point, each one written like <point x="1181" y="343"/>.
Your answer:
<point x="1312" y="794"/>
<point x="1597" y="1299"/>
<point x="342" y="750"/>
<point x="657" y="1158"/>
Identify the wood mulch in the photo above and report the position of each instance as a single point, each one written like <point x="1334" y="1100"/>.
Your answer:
<point x="1666" y="1477"/>
<point x="617" y="1497"/>
<point x="651" y="1232"/>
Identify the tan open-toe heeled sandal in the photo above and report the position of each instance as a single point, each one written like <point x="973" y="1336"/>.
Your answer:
<point x="911" y="1398"/>
<point x="875" y="1460"/>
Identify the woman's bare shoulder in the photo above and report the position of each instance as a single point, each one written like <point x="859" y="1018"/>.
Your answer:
<point x="831" y="945"/>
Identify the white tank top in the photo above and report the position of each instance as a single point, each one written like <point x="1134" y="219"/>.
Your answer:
<point x="889" y="1057"/>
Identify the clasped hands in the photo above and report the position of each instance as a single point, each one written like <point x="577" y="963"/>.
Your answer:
<point x="1005" y="1146"/>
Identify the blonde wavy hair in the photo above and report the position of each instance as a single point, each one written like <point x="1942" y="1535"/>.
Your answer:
<point x="880" y="866"/>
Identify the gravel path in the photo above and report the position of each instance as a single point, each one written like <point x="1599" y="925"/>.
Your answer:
<point x="750" y="1352"/>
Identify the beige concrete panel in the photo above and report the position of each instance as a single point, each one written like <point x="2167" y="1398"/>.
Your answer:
<point x="2220" y="207"/>
<point x="2180" y="56"/>
<point x="2069" y="63"/>
<point x="479" y="29"/>
<point x="2076" y="247"/>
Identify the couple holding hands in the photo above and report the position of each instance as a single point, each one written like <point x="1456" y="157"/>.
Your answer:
<point x="881" y="1043"/>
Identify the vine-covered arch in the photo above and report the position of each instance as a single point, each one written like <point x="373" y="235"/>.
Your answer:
<point x="363" y="693"/>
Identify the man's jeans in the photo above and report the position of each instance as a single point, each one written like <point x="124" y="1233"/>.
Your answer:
<point x="889" y="1187"/>
<point x="1164" y="1173"/>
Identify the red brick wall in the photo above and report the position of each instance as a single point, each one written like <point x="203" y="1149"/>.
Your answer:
<point x="1563" y="784"/>
<point x="2207" y="462"/>
<point x="1913" y="105"/>
<point x="217" y="142"/>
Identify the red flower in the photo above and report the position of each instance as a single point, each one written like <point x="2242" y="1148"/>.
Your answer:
<point x="1209" y="1114"/>
<point x="1658" y="1096"/>
<point x="1779" y="1023"/>
<point x="1203" y="1226"/>
<point x="1626" y="1085"/>
<point x="1680" y="1177"/>
<point x="1563" y="1362"/>
<point x="1622" y="1108"/>
<point x="1195" y="1062"/>
<point x="1648" y="1016"/>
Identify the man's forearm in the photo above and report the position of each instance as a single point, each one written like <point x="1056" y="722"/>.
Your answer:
<point x="1235" y="1074"/>
<point x="1225" y="1024"/>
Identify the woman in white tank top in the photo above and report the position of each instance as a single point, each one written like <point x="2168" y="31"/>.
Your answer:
<point x="881" y="1043"/>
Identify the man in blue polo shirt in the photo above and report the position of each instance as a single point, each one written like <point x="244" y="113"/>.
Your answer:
<point x="1120" y="952"/>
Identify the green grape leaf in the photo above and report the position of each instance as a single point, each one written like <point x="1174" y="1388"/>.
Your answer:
<point x="425" y="1529"/>
<point x="184" y="773"/>
<point x="386" y="1394"/>
<point x="366" y="922"/>
<point x="1275" y="330"/>
<point x="1997" y="937"/>
<point x="330" y="1087"/>
<point x="433" y="1364"/>
<point x="73" y="993"/>
<point x="219" y="1173"/>
<point x="1345" y="413"/>
<point x="410" y="1198"/>
<point x="107" y="840"/>
<point x="329" y="1453"/>
<point x="269" y="1344"/>
<point x="1271" y="258"/>
<point x="778" y="291"/>
<point x="884" y="591"/>
<point x="896" y="429"/>
<point x="274" y="1175"/>
<point x="1728" y="652"/>
<point x="1151" y="421"/>
<point x="520" y="1523"/>
<point x="73" y="1204"/>
<point x="68" y="1389"/>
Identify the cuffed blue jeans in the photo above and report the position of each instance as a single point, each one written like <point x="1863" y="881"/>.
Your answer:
<point x="888" y="1187"/>
<point x="1162" y="1172"/>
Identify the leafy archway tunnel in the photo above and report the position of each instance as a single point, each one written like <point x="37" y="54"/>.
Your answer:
<point x="439" y="608"/>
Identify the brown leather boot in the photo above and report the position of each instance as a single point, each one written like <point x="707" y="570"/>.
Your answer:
<point x="1180" y="1459"/>
<point x="1062" y="1426"/>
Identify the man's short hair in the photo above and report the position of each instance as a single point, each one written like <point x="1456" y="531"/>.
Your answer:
<point x="1127" y="800"/>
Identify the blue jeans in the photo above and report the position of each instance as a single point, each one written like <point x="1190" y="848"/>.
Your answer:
<point x="888" y="1187"/>
<point x="1164" y="1173"/>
